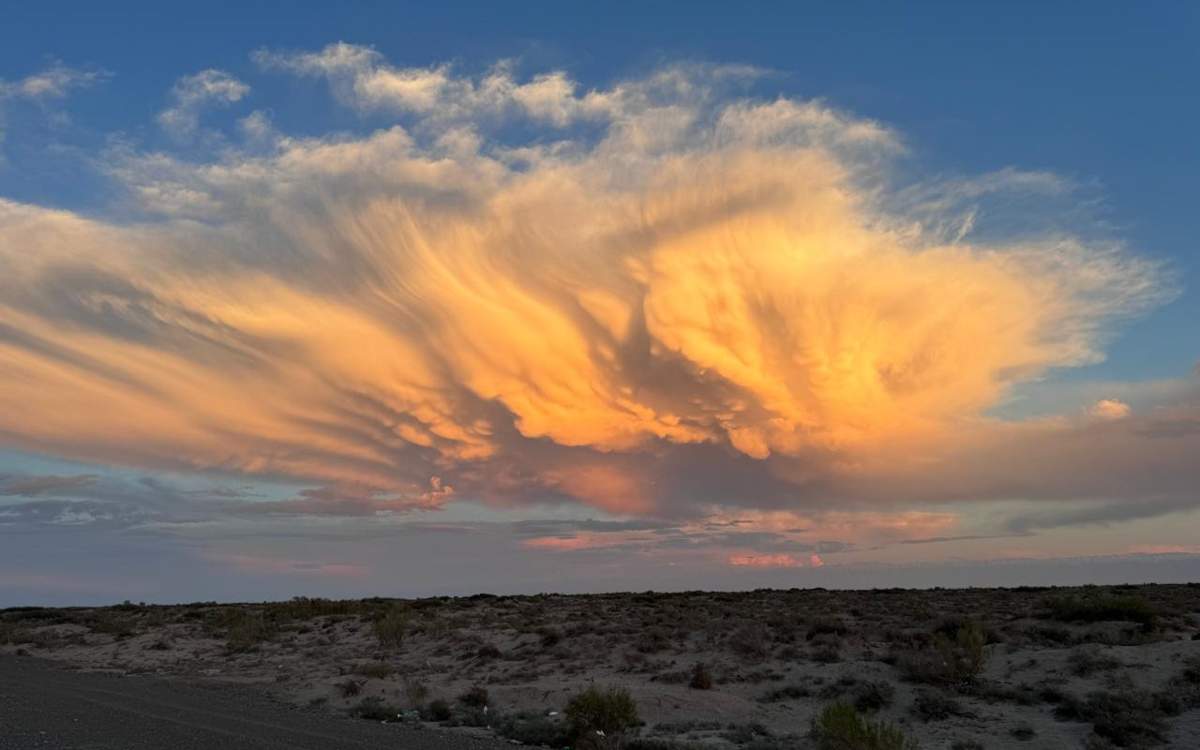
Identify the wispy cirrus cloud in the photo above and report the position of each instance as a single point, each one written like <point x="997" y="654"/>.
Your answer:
<point x="53" y="82"/>
<point x="192" y="93"/>
<point x="660" y="297"/>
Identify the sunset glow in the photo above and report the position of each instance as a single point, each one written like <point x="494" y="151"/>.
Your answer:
<point x="335" y="307"/>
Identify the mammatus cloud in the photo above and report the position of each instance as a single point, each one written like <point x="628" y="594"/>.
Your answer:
<point x="193" y="93"/>
<point x="664" y="297"/>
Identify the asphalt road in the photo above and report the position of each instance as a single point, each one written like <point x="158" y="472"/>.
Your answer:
<point x="45" y="706"/>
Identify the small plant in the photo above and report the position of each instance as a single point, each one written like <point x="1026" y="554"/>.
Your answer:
<point x="476" y="697"/>
<point x="786" y="693"/>
<point x="599" y="718"/>
<point x="487" y="651"/>
<point x="744" y="734"/>
<point x="416" y="691"/>
<point x="826" y="654"/>
<point x="348" y="688"/>
<point x="534" y="729"/>
<point x="826" y="627"/>
<point x="247" y="629"/>
<point x="1085" y="661"/>
<point x="701" y="678"/>
<point x="549" y="637"/>
<point x="374" y="709"/>
<point x="751" y="642"/>
<point x="437" y="710"/>
<point x="10" y="633"/>
<point x="933" y="706"/>
<point x="947" y="661"/>
<point x="1126" y="719"/>
<point x="1185" y="686"/>
<point x="873" y="695"/>
<point x="377" y="670"/>
<point x="119" y="626"/>
<point x="840" y="727"/>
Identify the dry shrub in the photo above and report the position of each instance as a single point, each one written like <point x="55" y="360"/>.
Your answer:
<point x="948" y="661"/>
<point x="392" y="626"/>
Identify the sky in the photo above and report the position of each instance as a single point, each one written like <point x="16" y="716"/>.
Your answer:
<point x="401" y="300"/>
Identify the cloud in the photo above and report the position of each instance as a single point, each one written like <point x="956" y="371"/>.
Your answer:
<point x="264" y="565"/>
<point x="1109" y="408"/>
<point x="191" y="94"/>
<point x="55" y="82"/>
<point x="1100" y="513"/>
<point x="40" y="485"/>
<point x="657" y="298"/>
<point x="361" y="78"/>
<point x="766" y="561"/>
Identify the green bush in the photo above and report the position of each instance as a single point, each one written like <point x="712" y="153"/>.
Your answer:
<point x="391" y="627"/>
<point x="601" y="717"/>
<point x="534" y="729"/>
<point x="840" y="727"/>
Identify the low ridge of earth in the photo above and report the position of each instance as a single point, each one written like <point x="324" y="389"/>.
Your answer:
<point x="1091" y="667"/>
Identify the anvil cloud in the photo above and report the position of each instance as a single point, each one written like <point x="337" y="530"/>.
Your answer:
<point x="652" y="298"/>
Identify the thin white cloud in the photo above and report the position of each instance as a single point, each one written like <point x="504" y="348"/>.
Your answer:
<point x="361" y="78"/>
<point x="55" y="82"/>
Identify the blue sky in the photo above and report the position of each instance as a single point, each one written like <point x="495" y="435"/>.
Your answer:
<point x="1027" y="124"/>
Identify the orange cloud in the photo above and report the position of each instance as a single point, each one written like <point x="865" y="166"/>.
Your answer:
<point x="1109" y="408"/>
<point x="372" y="312"/>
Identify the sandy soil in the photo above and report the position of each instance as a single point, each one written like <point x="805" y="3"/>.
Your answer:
<point x="1095" y="667"/>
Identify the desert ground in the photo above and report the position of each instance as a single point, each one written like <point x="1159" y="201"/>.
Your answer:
<point x="1031" y="667"/>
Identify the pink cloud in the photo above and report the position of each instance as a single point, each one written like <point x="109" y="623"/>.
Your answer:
<point x="561" y="543"/>
<point x="1163" y="549"/>
<point x="587" y="540"/>
<point x="766" y="561"/>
